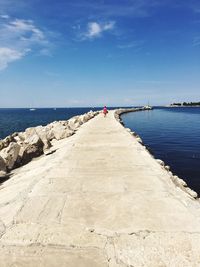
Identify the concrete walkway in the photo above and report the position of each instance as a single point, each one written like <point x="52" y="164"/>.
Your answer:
<point x="100" y="200"/>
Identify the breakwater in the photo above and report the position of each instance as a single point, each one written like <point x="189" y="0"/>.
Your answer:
<point x="20" y="148"/>
<point x="100" y="200"/>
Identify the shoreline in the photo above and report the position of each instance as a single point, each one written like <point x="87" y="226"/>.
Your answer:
<point x="175" y="178"/>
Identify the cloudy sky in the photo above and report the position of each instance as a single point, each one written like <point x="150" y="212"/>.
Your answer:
<point x="61" y="53"/>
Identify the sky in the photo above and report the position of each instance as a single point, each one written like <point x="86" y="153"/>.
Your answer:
<point x="78" y="53"/>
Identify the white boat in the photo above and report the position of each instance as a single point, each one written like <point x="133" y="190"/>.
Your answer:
<point x="148" y="107"/>
<point x="32" y="109"/>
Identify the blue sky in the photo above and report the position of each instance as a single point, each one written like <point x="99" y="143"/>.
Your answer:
<point x="68" y="53"/>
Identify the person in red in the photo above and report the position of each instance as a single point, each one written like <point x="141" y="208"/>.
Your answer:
<point x="105" y="111"/>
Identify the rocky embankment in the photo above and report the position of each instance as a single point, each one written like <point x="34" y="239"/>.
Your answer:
<point x="21" y="147"/>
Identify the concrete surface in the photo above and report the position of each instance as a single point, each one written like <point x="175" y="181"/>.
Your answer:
<point x="100" y="200"/>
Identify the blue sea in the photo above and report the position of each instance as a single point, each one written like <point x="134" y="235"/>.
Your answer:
<point x="172" y="135"/>
<point x="17" y="120"/>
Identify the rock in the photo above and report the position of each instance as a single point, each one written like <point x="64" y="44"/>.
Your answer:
<point x="139" y="139"/>
<point x="160" y="162"/>
<point x="74" y="123"/>
<point x="10" y="154"/>
<point x="32" y="138"/>
<point x="61" y="131"/>
<point x="28" y="152"/>
<point x="18" y="140"/>
<point x="167" y="168"/>
<point x="3" y="174"/>
<point x="178" y="181"/>
<point x="182" y="182"/>
<point x="1" y="144"/>
<point x="49" y="132"/>
<point x="41" y="132"/>
<point x="32" y="146"/>
<point x="21" y="136"/>
<point x="8" y="140"/>
<point x="191" y="192"/>
<point x="2" y="165"/>
<point x="87" y="117"/>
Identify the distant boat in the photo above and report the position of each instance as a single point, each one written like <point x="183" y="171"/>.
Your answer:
<point x="32" y="109"/>
<point x="54" y="108"/>
<point x="148" y="107"/>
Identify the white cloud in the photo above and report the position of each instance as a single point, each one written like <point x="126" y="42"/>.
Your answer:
<point x="95" y="29"/>
<point x="17" y="38"/>
<point x="4" y="16"/>
<point x="8" y="55"/>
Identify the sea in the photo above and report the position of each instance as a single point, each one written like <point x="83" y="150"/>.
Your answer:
<point x="18" y="119"/>
<point x="172" y="135"/>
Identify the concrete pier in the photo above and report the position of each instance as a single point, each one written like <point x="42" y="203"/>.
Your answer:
<point x="101" y="200"/>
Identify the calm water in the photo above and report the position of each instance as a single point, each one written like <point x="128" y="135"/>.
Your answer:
<point x="173" y="135"/>
<point x="16" y="120"/>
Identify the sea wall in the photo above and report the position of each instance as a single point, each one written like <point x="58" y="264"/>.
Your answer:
<point x="175" y="179"/>
<point x="20" y="148"/>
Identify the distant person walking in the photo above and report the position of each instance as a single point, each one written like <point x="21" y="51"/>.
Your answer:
<point x="105" y="111"/>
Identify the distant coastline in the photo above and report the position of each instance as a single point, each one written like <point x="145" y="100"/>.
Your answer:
<point x="185" y="104"/>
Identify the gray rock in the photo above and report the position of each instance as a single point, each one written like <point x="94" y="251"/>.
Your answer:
<point x="32" y="138"/>
<point x="32" y="146"/>
<point x="10" y="154"/>
<point x="61" y="131"/>
<point x="2" y="174"/>
<point x="74" y="123"/>
<point x="2" y="164"/>
<point x="1" y="144"/>
<point x="179" y="181"/>
<point x="28" y="152"/>
<point x="167" y="168"/>
<point x="139" y="139"/>
<point x="160" y="162"/>
<point x="42" y="133"/>
<point x="191" y="192"/>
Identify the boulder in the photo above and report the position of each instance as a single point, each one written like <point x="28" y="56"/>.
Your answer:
<point x="18" y="140"/>
<point x="21" y="136"/>
<point x="49" y="133"/>
<point x="60" y="131"/>
<point x="28" y="152"/>
<point x="8" y="140"/>
<point x="167" y="168"/>
<point x="1" y="144"/>
<point x="42" y="133"/>
<point x="2" y="165"/>
<point x="31" y="146"/>
<point x="2" y="175"/>
<point x="10" y="155"/>
<point x="191" y="192"/>
<point x="81" y="119"/>
<point x="160" y="162"/>
<point x="74" y="123"/>
<point x="139" y="139"/>
<point x="179" y="182"/>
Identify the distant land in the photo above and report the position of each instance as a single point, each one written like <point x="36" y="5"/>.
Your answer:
<point x="186" y="104"/>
